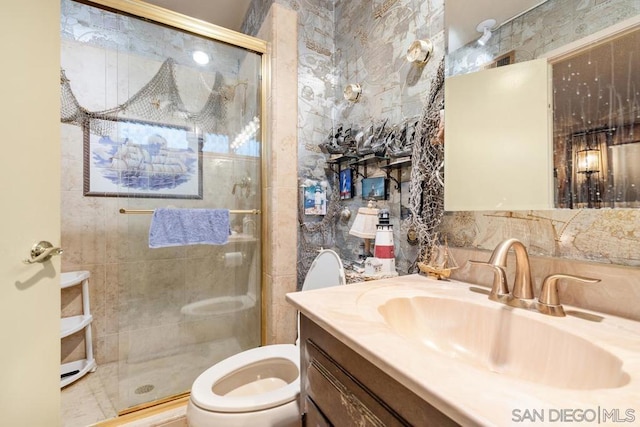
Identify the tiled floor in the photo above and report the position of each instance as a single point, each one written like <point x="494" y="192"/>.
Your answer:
<point x="95" y="397"/>
<point x="86" y="401"/>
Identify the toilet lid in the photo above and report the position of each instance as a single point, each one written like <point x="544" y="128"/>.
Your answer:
<point x="203" y="396"/>
<point x="325" y="272"/>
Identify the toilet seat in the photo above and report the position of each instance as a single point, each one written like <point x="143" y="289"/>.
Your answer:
<point x="326" y="271"/>
<point x="203" y="396"/>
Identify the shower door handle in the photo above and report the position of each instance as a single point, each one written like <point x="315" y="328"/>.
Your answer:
<point x="41" y="252"/>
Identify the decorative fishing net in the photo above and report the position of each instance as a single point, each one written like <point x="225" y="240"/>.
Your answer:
<point x="426" y="199"/>
<point x="158" y="101"/>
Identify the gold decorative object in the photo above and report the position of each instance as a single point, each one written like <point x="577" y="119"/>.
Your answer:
<point x="352" y="92"/>
<point x="440" y="263"/>
<point x="420" y="51"/>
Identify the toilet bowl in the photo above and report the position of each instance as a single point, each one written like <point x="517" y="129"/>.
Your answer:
<point x="260" y="386"/>
<point x="219" y="306"/>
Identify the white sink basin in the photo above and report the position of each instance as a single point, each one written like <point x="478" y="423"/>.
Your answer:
<point x="505" y="341"/>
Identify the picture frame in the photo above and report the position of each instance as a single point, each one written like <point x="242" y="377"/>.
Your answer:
<point x="374" y="188"/>
<point x="346" y="184"/>
<point x="142" y="159"/>
<point x="315" y="200"/>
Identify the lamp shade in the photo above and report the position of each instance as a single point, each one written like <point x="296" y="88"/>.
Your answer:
<point x="588" y="161"/>
<point x="364" y="225"/>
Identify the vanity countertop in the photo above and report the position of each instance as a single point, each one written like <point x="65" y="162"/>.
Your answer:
<point x="472" y="394"/>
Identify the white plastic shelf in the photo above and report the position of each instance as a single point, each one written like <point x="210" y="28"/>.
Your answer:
<point x="71" y="325"/>
<point x="73" y="278"/>
<point x="72" y="371"/>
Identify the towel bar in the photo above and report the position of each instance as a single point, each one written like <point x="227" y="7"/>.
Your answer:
<point x="150" y="211"/>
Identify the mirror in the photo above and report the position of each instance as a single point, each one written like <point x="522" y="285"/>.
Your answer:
<point x="596" y="125"/>
<point x="594" y="153"/>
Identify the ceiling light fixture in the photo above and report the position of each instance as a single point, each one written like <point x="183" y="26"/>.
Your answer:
<point x="200" y="57"/>
<point x="485" y="28"/>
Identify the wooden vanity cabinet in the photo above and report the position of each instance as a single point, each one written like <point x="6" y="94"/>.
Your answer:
<point x="341" y="388"/>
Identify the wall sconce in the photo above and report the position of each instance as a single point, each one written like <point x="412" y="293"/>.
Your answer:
<point x="352" y="92"/>
<point x="345" y="214"/>
<point x="485" y="28"/>
<point x="365" y="227"/>
<point x="420" y="51"/>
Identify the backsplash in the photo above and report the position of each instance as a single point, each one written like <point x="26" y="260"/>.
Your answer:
<point x="617" y="292"/>
<point x="608" y="236"/>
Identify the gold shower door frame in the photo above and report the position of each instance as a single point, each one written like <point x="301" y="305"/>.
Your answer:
<point x="155" y="14"/>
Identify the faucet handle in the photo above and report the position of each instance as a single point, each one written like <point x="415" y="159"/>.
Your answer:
<point x="499" y="289"/>
<point x="548" y="301"/>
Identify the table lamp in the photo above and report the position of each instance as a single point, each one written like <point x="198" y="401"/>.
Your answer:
<point x="365" y="227"/>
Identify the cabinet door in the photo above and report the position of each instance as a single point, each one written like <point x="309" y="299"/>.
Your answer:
<point x="498" y="148"/>
<point x="348" y="390"/>
<point x="348" y="403"/>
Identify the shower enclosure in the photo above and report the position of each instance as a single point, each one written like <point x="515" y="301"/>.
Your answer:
<point x="157" y="113"/>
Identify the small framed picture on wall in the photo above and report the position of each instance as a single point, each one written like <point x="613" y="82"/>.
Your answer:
<point x="346" y="185"/>
<point x="374" y="188"/>
<point x="315" y="200"/>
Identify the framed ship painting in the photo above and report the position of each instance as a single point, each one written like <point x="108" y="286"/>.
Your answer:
<point x="142" y="159"/>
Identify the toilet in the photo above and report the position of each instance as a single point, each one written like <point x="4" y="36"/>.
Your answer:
<point x="259" y="387"/>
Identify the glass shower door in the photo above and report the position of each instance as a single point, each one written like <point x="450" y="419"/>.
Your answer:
<point x="168" y="119"/>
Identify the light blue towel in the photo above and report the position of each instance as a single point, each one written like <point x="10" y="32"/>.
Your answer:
<point x="179" y="227"/>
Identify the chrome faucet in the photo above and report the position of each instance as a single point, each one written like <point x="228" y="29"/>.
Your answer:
<point x="521" y="294"/>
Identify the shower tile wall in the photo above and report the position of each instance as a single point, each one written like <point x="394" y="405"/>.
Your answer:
<point x="601" y="235"/>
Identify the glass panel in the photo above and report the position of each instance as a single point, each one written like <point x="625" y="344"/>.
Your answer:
<point x="147" y="127"/>
<point x="596" y="125"/>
